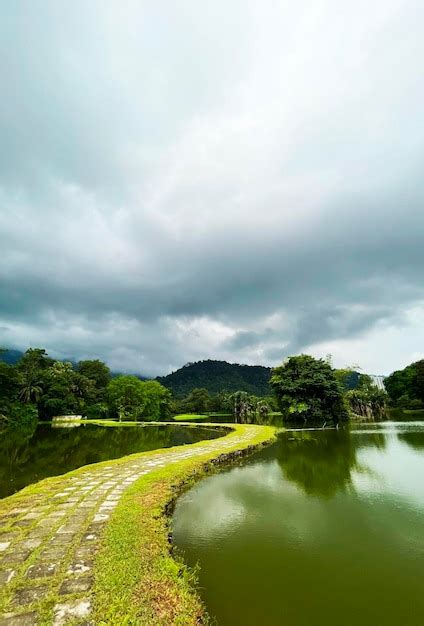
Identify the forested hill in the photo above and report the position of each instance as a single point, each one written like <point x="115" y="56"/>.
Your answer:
<point x="216" y="376"/>
<point x="10" y="356"/>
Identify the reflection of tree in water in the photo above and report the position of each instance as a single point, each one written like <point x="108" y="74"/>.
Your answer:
<point x="370" y="440"/>
<point x="15" y="449"/>
<point x="321" y="462"/>
<point x="27" y="456"/>
<point x="413" y="439"/>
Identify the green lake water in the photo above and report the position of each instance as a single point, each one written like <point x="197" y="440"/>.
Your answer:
<point x="324" y="527"/>
<point x="29" y="454"/>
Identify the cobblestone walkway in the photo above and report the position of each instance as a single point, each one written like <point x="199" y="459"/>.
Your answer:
<point x="47" y="548"/>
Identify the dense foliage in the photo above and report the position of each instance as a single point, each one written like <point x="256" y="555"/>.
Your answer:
<point x="34" y="385"/>
<point x="39" y="386"/>
<point x="406" y="387"/>
<point x="244" y="407"/>
<point x="307" y="388"/>
<point x="248" y="409"/>
<point x="348" y="378"/>
<point x="134" y="399"/>
<point x="218" y="376"/>
<point x="367" y="400"/>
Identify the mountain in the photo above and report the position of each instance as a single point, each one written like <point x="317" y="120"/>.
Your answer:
<point x="216" y="376"/>
<point x="10" y="356"/>
<point x="352" y="380"/>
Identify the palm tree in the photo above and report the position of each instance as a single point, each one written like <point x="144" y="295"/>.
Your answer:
<point x="30" y="389"/>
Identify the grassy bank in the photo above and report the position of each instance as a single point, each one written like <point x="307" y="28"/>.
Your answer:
<point x="137" y="579"/>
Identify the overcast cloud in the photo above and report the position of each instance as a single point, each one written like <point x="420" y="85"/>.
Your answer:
<point x="237" y="180"/>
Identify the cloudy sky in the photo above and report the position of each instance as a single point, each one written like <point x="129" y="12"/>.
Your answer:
<point x="239" y="180"/>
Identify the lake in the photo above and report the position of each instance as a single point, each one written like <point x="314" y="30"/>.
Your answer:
<point x="29" y="454"/>
<point x="323" y="527"/>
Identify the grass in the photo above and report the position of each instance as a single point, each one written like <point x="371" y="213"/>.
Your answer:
<point x="188" y="417"/>
<point x="137" y="579"/>
<point x="204" y="417"/>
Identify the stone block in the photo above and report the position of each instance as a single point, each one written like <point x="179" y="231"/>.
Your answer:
<point x="76" y="585"/>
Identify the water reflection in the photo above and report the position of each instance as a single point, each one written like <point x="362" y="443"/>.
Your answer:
<point x="35" y="452"/>
<point x="413" y="439"/>
<point x="318" y="462"/>
<point x="323" y="528"/>
<point x="321" y="462"/>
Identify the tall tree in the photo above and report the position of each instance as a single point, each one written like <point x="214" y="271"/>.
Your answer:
<point x="307" y="388"/>
<point x="34" y="361"/>
<point x="157" y="401"/>
<point x="126" y="397"/>
<point x="9" y="386"/>
<point x="31" y="386"/>
<point x="95" y="370"/>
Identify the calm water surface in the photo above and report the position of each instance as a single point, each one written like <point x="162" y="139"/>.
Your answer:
<point x="29" y="454"/>
<point x="324" y="527"/>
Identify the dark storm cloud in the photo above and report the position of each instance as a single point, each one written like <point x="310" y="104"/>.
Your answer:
<point x="170" y="192"/>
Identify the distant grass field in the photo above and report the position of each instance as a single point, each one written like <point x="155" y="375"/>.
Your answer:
<point x="198" y="417"/>
<point x="188" y="417"/>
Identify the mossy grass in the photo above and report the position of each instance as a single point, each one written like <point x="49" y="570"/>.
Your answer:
<point x="137" y="579"/>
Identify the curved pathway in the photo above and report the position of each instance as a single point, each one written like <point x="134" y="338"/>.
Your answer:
<point x="48" y="541"/>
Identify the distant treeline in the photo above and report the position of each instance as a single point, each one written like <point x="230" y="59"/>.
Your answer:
<point x="33" y="385"/>
<point x="39" y="387"/>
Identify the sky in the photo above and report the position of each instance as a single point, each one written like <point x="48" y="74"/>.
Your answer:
<point x="230" y="180"/>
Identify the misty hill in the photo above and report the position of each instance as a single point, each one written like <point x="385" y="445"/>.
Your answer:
<point x="11" y="356"/>
<point x="216" y="376"/>
<point x="352" y="380"/>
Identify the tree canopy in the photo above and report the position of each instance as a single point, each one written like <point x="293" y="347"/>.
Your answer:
<point x="406" y="387"/>
<point x="218" y="376"/>
<point x="132" y="399"/>
<point x="39" y="386"/>
<point x="307" y="388"/>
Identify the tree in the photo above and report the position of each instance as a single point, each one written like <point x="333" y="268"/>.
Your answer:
<point x="12" y="411"/>
<point x="19" y="415"/>
<point x="32" y="368"/>
<point x="65" y="391"/>
<point x="367" y="400"/>
<point x="418" y="383"/>
<point x="30" y="387"/>
<point x="126" y="397"/>
<point x="247" y="408"/>
<point x="9" y="386"/>
<point x="97" y="371"/>
<point x="197" y="401"/>
<point x="307" y="388"/>
<point x="34" y="361"/>
<point x="406" y="387"/>
<point x="242" y="407"/>
<point x="157" y="401"/>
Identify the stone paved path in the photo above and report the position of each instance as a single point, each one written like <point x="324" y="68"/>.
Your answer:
<point x="47" y="548"/>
